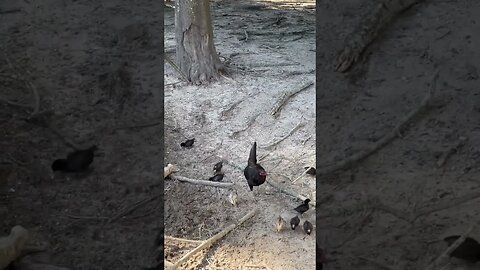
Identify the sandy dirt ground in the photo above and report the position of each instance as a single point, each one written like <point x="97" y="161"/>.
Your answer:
<point x="358" y="108"/>
<point x="74" y="53"/>
<point x="270" y="50"/>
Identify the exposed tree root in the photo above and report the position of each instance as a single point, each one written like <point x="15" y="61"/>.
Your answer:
<point x="354" y="159"/>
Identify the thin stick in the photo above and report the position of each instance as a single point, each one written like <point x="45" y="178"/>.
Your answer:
<point x="446" y="204"/>
<point x="285" y="97"/>
<point x="28" y="84"/>
<point x="176" y="68"/>
<point x="249" y="123"/>
<point x="452" y="247"/>
<point x="183" y="240"/>
<point x="443" y="158"/>
<point x="201" y="182"/>
<point x="288" y="192"/>
<point x="209" y="242"/>
<point x="305" y="172"/>
<point x="354" y="159"/>
<point x="132" y="208"/>
<point x="9" y="11"/>
<point x="86" y="217"/>
<point x="226" y="113"/>
<point x="301" y="124"/>
<point x="150" y="124"/>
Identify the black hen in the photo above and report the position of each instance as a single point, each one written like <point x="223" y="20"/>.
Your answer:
<point x="76" y="161"/>
<point x="469" y="250"/>
<point x="254" y="173"/>
<point x="303" y="207"/>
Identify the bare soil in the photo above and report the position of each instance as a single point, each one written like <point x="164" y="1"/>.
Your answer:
<point x="358" y="108"/>
<point x="74" y="53"/>
<point x="269" y="47"/>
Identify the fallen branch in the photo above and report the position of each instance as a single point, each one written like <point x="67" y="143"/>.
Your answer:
<point x="301" y="124"/>
<point x="285" y="97"/>
<point x="354" y="159"/>
<point x="452" y="247"/>
<point x="201" y="182"/>
<point x="209" y="242"/>
<point x="368" y="29"/>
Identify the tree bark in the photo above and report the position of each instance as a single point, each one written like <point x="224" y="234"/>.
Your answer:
<point x="195" y="51"/>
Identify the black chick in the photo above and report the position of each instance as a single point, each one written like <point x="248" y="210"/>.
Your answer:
<point x="218" y="167"/>
<point x="254" y="173"/>
<point x="303" y="207"/>
<point x="307" y="227"/>
<point x="469" y="250"/>
<point x="76" y="161"/>
<point x="188" y="143"/>
<point x="294" y="222"/>
<point x="217" y="177"/>
<point x="311" y="170"/>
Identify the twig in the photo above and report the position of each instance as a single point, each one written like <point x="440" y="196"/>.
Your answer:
<point x="28" y="84"/>
<point x="132" y="208"/>
<point x="201" y="182"/>
<point x="452" y="247"/>
<point x="209" y="242"/>
<point x="9" y="11"/>
<point x="86" y="217"/>
<point x="183" y="240"/>
<point x="446" y="204"/>
<point x="301" y="124"/>
<point x="305" y="172"/>
<point x="226" y="113"/>
<point x="13" y="103"/>
<point x="289" y="192"/>
<point x="150" y="124"/>
<point x="354" y="159"/>
<point x="176" y="68"/>
<point x="443" y="158"/>
<point x="249" y="124"/>
<point x="285" y="97"/>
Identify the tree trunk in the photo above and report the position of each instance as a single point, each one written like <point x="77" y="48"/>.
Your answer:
<point x="195" y="52"/>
